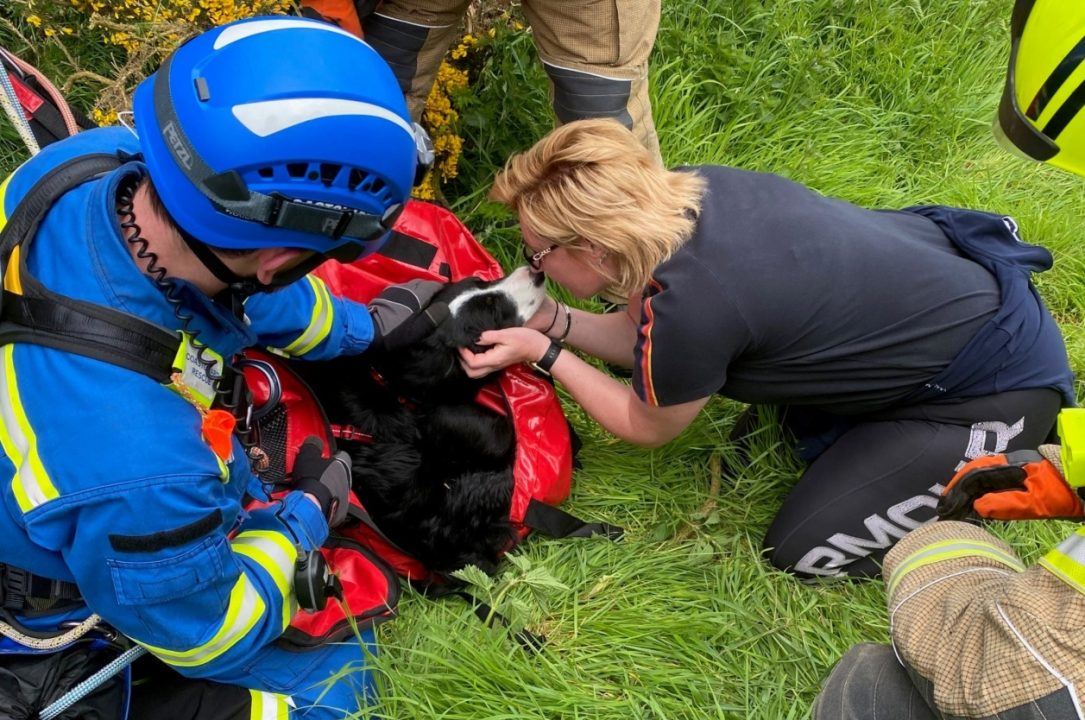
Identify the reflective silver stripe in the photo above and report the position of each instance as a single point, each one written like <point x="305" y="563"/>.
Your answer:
<point x="30" y="484"/>
<point x="269" y="706"/>
<point x="320" y="322"/>
<point x="241" y="31"/>
<point x="268" y="117"/>
<point x="949" y="550"/>
<point x="276" y="556"/>
<point x="1074" y="546"/>
<point x="1067" y="561"/>
<point x="245" y="609"/>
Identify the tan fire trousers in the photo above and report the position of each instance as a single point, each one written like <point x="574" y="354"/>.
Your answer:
<point x="990" y="635"/>
<point x="595" y="53"/>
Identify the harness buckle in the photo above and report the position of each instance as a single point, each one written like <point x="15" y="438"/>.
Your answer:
<point x="14" y="586"/>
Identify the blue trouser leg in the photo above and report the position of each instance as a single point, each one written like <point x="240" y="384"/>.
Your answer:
<point x="331" y="682"/>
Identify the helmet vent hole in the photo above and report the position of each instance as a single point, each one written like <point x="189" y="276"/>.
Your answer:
<point x="266" y="172"/>
<point x="377" y="186"/>
<point x="328" y="173"/>
<point x="355" y="179"/>
<point x="296" y="170"/>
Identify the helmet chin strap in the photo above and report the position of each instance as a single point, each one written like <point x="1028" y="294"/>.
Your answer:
<point x="236" y="285"/>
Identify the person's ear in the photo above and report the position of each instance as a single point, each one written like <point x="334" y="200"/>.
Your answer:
<point x="598" y="254"/>
<point x="269" y="261"/>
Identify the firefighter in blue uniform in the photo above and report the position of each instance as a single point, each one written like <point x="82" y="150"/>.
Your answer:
<point x="252" y="164"/>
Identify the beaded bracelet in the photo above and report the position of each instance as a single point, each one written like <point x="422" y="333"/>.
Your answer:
<point x="568" y="323"/>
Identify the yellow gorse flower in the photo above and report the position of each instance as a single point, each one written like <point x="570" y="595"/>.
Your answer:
<point x="147" y="30"/>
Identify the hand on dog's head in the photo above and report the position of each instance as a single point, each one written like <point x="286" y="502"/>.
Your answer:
<point x="431" y="366"/>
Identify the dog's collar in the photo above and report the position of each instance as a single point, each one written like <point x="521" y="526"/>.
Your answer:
<point x="349" y="432"/>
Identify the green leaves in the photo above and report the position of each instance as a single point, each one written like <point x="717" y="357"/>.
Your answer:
<point x="522" y="590"/>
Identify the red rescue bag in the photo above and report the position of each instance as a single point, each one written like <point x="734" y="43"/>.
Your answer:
<point x="428" y="242"/>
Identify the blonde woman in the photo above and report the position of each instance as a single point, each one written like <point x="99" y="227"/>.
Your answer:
<point x="899" y="343"/>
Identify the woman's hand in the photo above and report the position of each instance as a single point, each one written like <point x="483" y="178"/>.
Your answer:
<point x="507" y="347"/>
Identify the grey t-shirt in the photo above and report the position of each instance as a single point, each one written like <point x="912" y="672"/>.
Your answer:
<point x="785" y="296"/>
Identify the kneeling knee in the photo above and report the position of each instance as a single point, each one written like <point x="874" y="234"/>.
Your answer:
<point x="810" y="562"/>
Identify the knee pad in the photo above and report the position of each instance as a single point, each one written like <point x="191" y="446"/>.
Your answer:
<point x="399" y="43"/>
<point x="580" y="96"/>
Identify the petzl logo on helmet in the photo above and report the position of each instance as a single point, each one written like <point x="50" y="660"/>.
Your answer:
<point x="177" y="144"/>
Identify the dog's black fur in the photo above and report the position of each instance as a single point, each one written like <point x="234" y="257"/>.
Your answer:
<point x="437" y="477"/>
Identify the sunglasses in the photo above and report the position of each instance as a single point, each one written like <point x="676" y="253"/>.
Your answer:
<point x="535" y="259"/>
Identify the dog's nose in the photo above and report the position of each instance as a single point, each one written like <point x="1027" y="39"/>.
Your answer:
<point x="537" y="279"/>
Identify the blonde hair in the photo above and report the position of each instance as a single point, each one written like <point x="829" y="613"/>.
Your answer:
<point x="591" y="181"/>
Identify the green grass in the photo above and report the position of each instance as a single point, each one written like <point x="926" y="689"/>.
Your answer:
<point x="882" y="102"/>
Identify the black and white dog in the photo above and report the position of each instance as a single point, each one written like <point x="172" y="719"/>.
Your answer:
<point x="435" y="471"/>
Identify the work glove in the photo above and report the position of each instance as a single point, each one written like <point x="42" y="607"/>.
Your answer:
<point x="403" y="315"/>
<point x="326" y="479"/>
<point x="1022" y="485"/>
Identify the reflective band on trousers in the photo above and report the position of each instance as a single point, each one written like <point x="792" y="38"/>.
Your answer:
<point x="30" y="484"/>
<point x="320" y="323"/>
<point x="245" y="609"/>
<point x="951" y="550"/>
<point x="268" y="706"/>
<point x="276" y="556"/>
<point x="1067" y="561"/>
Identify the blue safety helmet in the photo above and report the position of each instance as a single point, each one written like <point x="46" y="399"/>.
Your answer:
<point x="279" y="132"/>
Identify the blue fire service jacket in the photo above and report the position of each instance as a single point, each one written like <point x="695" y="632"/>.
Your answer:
<point x="105" y="479"/>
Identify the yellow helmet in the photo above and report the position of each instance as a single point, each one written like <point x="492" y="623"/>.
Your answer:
<point x="1041" y="113"/>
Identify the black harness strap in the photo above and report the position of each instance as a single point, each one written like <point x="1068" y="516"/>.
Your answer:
<point x="24" y="592"/>
<point x="408" y="250"/>
<point x="42" y="317"/>
<point x="91" y="331"/>
<point x="557" y="523"/>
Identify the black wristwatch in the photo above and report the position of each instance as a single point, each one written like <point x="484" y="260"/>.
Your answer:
<point x="544" y="364"/>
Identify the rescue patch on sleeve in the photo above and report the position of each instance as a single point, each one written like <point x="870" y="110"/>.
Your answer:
<point x="167" y="538"/>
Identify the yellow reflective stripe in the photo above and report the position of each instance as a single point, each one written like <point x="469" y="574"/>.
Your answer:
<point x="1067" y="561"/>
<point x="276" y="556"/>
<point x="269" y="706"/>
<point x="245" y="609"/>
<point x="224" y="470"/>
<point x="3" y="199"/>
<point x="12" y="282"/>
<point x="30" y="484"/>
<point x="951" y="550"/>
<point x="320" y="322"/>
<point x="197" y="378"/>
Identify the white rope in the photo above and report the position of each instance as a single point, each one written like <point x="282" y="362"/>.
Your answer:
<point x="92" y="683"/>
<point x="52" y="643"/>
<point x="10" y="102"/>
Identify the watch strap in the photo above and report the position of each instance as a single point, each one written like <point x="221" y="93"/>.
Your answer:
<point x="546" y="362"/>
